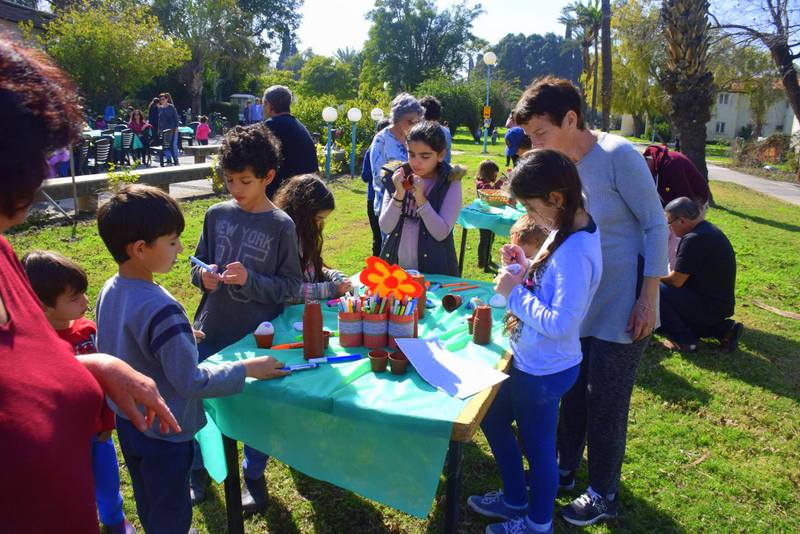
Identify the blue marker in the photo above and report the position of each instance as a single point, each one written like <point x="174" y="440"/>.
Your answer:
<point x="300" y="367"/>
<point x="336" y="359"/>
<point x="202" y="265"/>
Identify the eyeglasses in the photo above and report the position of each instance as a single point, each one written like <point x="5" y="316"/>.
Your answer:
<point x="676" y="219"/>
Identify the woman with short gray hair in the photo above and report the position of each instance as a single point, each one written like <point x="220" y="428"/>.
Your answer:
<point x="390" y="144"/>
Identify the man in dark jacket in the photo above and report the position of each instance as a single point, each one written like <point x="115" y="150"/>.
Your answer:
<point x="168" y="120"/>
<point x="299" y="155"/>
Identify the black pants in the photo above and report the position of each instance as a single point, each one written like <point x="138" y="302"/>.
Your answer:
<point x="203" y="141"/>
<point x="595" y="411"/>
<point x="376" y="229"/>
<point x="687" y="316"/>
<point x="485" y="248"/>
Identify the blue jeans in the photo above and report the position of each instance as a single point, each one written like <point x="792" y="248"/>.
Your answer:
<point x="532" y="401"/>
<point x="159" y="472"/>
<point x="106" y="482"/>
<point x="253" y="464"/>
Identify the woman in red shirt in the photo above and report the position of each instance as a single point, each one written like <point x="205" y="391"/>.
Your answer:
<point x="50" y="401"/>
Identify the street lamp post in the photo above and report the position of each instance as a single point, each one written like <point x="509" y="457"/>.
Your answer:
<point x="376" y="115"/>
<point x="353" y="115"/>
<point x="490" y="59"/>
<point x="329" y="115"/>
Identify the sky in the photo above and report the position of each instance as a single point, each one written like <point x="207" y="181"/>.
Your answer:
<point x="330" y="24"/>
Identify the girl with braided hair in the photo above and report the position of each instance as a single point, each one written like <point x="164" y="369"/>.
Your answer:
<point x="547" y="302"/>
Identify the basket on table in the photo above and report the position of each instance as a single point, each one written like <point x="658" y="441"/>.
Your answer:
<point x="494" y="197"/>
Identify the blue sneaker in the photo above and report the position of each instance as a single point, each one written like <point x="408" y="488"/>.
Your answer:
<point x="494" y="505"/>
<point x="516" y="525"/>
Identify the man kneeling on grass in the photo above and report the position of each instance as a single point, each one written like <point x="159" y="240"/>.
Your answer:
<point x="697" y="297"/>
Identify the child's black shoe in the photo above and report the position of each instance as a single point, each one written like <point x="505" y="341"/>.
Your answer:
<point x="254" y="495"/>
<point x="198" y="483"/>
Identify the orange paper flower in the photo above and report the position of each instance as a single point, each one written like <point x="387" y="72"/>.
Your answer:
<point x="386" y="280"/>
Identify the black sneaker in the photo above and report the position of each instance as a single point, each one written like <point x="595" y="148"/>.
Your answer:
<point x="588" y="510"/>
<point x="565" y="482"/>
<point x="254" y="495"/>
<point x="730" y="341"/>
<point x="198" y="483"/>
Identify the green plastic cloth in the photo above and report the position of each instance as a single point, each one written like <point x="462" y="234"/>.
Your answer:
<point x="481" y="215"/>
<point x="379" y="435"/>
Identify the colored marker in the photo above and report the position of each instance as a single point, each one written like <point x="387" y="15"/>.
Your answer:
<point x="336" y="359"/>
<point x="299" y="367"/>
<point x="202" y="265"/>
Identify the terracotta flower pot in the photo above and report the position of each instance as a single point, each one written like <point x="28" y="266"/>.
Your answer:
<point x="264" y="341"/>
<point x="327" y="334"/>
<point x="451" y="302"/>
<point x="398" y="362"/>
<point x="378" y="360"/>
<point x="482" y="325"/>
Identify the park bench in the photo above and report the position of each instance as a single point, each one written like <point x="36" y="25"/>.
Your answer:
<point x="90" y="185"/>
<point x="201" y="151"/>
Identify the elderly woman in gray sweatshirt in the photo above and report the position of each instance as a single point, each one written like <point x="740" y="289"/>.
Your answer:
<point x="390" y="143"/>
<point x="623" y="201"/>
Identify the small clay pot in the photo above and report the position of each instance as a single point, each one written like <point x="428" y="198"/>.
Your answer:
<point x="451" y="302"/>
<point x="327" y="334"/>
<point x="399" y="362"/>
<point x="264" y="341"/>
<point x="482" y="325"/>
<point x="378" y="360"/>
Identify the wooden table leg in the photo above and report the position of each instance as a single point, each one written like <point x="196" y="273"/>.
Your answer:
<point x="463" y="249"/>
<point x="453" y="498"/>
<point x="233" y="492"/>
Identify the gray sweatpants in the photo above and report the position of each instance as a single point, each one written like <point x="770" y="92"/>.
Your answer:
<point x="595" y="410"/>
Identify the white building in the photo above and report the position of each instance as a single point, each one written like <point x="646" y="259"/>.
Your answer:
<point x="731" y="113"/>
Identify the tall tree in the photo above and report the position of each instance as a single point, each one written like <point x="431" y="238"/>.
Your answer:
<point x="586" y="20"/>
<point x="773" y="24"/>
<point x="110" y="49"/>
<point x="214" y="30"/>
<point x="410" y="40"/>
<point x="606" y="54"/>
<point x="322" y="75"/>
<point x="687" y="79"/>
<point x="528" y="57"/>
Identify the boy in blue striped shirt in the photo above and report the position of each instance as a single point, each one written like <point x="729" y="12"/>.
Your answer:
<point x="142" y="324"/>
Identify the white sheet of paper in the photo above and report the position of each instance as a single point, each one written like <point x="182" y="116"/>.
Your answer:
<point x="445" y="371"/>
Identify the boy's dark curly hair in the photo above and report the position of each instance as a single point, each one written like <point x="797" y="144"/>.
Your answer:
<point x="253" y="146"/>
<point x="41" y="104"/>
<point x="302" y="197"/>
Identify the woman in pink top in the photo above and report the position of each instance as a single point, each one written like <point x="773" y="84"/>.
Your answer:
<point x="137" y="122"/>
<point x="202" y="131"/>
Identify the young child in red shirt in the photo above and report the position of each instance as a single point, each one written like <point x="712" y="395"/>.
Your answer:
<point x="60" y="284"/>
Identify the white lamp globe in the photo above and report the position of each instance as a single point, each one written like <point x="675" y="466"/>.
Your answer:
<point x="330" y="114"/>
<point x="354" y="114"/>
<point x="376" y="114"/>
<point x="490" y="58"/>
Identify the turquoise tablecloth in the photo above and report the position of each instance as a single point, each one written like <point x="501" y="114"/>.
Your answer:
<point x="382" y="436"/>
<point x="479" y="214"/>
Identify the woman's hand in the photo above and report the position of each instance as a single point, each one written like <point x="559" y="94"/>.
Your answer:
<point x="210" y="280"/>
<point x="510" y="254"/>
<point x="235" y="274"/>
<point x="344" y="287"/>
<point x="642" y="320"/>
<point x="264" y="368"/>
<point x="505" y="281"/>
<point x="128" y="389"/>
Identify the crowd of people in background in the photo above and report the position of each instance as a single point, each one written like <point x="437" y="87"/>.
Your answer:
<point x="592" y="255"/>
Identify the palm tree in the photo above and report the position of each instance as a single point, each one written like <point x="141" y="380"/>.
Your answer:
<point x="586" y="20"/>
<point x="686" y="78"/>
<point x="606" y="58"/>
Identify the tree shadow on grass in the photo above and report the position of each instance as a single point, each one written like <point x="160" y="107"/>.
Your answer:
<point x="759" y="220"/>
<point x="774" y="366"/>
<point x="667" y="385"/>
<point x="337" y="510"/>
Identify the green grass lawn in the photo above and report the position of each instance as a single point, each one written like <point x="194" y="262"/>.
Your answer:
<point x="713" y="438"/>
